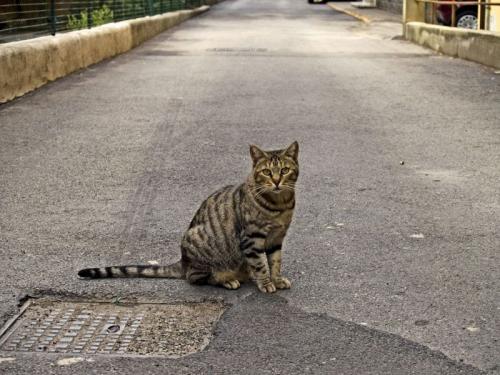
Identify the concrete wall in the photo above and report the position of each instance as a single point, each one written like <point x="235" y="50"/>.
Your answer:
<point x="29" y="64"/>
<point x="493" y="17"/>
<point x="479" y="46"/>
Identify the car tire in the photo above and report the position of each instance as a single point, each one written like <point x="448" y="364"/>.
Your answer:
<point x="467" y="20"/>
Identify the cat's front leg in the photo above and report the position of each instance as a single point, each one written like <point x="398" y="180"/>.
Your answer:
<point x="253" y="247"/>
<point x="274" y="261"/>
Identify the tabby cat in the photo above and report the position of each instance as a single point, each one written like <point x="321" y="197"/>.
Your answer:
<point x="237" y="233"/>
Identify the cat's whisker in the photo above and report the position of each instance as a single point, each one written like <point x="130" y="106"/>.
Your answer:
<point x="258" y="190"/>
<point x="261" y="192"/>
<point x="287" y="186"/>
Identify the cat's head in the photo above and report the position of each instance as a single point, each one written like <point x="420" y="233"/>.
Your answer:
<point x="275" y="171"/>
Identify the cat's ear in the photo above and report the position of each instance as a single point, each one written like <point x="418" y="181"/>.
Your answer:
<point x="292" y="151"/>
<point x="256" y="154"/>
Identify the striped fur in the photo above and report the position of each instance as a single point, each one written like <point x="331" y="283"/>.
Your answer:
<point x="238" y="231"/>
<point x="173" y="271"/>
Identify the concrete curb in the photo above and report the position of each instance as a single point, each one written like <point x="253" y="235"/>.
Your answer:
<point x="478" y="46"/>
<point x="350" y="13"/>
<point x="29" y="64"/>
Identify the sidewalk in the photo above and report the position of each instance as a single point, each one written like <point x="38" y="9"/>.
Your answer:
<point x="366" y="15"/>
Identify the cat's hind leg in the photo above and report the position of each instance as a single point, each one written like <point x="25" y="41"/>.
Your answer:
<point x="198" y="277"/>
<point x="227" y="279"/>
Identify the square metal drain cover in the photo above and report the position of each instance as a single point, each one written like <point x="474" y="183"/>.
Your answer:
<point x="171" y="330"/>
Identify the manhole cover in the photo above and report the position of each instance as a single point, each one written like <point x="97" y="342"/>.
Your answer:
<point x="171" y="330"/>
<point x="238" y="51"/>
<point x="162" y="53"/>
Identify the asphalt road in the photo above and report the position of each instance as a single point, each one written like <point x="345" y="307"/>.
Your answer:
<point x="395" y="266"/>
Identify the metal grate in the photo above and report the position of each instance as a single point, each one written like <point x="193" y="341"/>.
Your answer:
<point x="238" y="50"/>
<point x="171" y="330"/>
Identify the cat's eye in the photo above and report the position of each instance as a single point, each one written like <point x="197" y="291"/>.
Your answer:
<point x="285" y="170"/>
<point x="266" y="172"/>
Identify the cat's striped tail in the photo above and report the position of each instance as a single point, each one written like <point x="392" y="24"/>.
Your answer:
<point x="172" y="271"/>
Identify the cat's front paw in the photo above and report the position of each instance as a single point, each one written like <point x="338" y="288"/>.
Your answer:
<point x="282" y="283"/>
<point x="266" y="287"/>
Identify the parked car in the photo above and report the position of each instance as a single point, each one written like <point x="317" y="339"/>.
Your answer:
<point x="465" y="16"/>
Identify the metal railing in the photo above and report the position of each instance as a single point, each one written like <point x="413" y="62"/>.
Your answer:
<point x="24" y="19"/>
<point x="465" y="14"/>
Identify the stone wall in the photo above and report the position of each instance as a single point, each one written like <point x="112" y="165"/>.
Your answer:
<point x="474" y="45"/>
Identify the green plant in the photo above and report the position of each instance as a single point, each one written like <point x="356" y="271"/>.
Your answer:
<point x="102" y="16"/>
<point x="99" y="17"/>
<point x="78" y="22"/>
